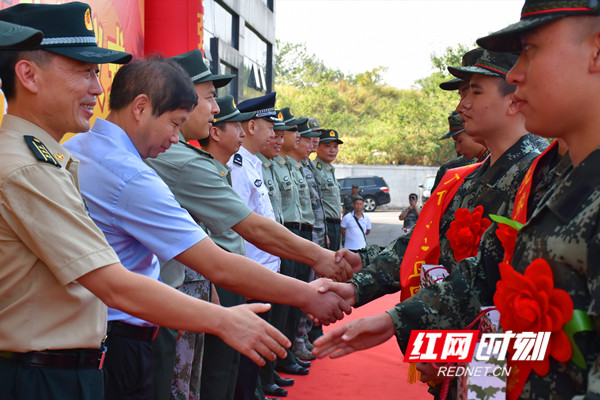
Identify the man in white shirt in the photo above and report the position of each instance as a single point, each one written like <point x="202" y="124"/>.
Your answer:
<point x="356" y="226"/>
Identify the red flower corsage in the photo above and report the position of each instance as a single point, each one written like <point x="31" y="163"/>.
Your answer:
<point x="530" y="303"/>
<point x="465" y="232"/>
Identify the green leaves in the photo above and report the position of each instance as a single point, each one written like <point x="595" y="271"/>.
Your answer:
<point x="379" y="124"/>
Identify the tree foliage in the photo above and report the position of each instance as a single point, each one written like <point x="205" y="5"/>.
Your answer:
<point x="379" y="124"/>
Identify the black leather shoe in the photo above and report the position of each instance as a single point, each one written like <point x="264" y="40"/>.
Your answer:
<point x="292" y="369"/>
<point x="302" y="363"/>
<point x="274" y="390"/>
<point x="279" y="381"/>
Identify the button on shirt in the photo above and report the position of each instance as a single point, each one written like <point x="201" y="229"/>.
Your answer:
<point x="354" y="238"/>
<point x="247" y="181"/>
<point x="129" y="202"/>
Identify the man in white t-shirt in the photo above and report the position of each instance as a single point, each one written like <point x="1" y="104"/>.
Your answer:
<point x="356" y="226"/>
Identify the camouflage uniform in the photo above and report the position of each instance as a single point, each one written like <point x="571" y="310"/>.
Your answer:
<point x="565" y="231"/>
<point x="455" y="302"/>
<point x="453" y="163"/>
<point x="319" y="227"/>
<point x="494" y="187"/>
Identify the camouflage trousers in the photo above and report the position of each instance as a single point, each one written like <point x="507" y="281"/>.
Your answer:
<point x="189" y="351"/>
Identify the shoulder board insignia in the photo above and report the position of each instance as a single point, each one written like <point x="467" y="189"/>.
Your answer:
<point x="282" y="162"/>
<point x="329" y="180"/>
<point x="257" y="183"/>
<point x="270" y="182"/>
<point x="266" y="164"/>
<point x="308" y="176"/>
<point x="286" y="178"/>
<point x="223" y="173"/>
<point x="60" y="157"/>
<point x="301" y="180"/>
<point x="237" y="159"/>
<point x="319" y="166"/>
<point x="297" y="165"/>
<point x="40" y="150"/>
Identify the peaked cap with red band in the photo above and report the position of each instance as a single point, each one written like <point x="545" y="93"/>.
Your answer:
<point x="536" y="13"/>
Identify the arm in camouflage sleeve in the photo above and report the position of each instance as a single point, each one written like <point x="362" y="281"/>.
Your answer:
<point x="446" y="305"/>
<point x="455" y="302"/>
<point x="381" y="274"/>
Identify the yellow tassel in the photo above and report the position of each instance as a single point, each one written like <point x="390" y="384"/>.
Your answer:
<point x="413" y="374"/>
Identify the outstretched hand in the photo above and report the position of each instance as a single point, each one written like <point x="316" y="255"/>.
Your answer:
<point x="356" y="335"/>
<point x="352" y="258"/>
<point x="252" y="336"/>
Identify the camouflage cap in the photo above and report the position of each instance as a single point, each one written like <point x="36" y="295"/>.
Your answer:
<point x="285" y="114"/>
<point x="536" y="13"/>
<point x="469" y="58"/>
<point x="329" y="135"/>
<point x="490" y="63"/>
<point x="310" y="128"/>
<point x="456" y="125"/>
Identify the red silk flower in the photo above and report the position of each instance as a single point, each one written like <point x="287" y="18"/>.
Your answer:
<point x="465" y="232"/>
<point x="508" y="237"/>
<point x="530" y="303"/>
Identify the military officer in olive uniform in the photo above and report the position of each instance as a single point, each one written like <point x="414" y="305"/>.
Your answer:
<point x="330" y="188"/>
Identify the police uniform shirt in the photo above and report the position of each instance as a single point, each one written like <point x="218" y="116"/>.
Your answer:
<point x="330" y="189"/>
<point x="202" y="186"/>
<point x="290" y="200"/>
<point x="307" y="216"/>
<point x="247" y="181"/>
<point x="131" y="204"/>
<point x="272" y="187"/>
<point x="48" y="241"/>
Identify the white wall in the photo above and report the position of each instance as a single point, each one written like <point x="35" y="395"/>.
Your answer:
<point x="401" y="179"/>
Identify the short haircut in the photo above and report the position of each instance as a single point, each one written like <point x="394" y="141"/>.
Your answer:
<point x="219" y="125"/>
<point x="358" y="198"/>
<point x="165" y="82"/>
<point x="10" y="58"/>
<point x="505" y="88"/>
<point x="413" y="196"/>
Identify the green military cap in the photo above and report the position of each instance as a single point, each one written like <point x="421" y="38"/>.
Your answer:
<point x="456" y="125"/>
<point x="310" y="128"/>
<point x="285" y="114"/>
<point x="469" y="58"/>
<point x="194" y="65"/>
<point x="229" y="112"/>
<point x="280" y="126"/>
<point x="18" y="37"/>
<point x="490" y="63"/>
<point x="329" y="135"/>
<point x="536" y="13"/>
<point x="67" y="28"/>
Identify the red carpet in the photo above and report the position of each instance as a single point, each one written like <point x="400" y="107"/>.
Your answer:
<point x="377" y="373"/>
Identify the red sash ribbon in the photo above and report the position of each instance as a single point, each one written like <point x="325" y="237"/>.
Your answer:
<point x="424" y="244"/>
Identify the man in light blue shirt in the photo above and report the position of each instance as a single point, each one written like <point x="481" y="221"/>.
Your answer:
<point x="150" y="100"/>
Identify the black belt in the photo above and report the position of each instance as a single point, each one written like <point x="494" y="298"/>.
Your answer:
<point x="60" y="359"/>
<point x="135" y="332"/>
<point x="299" y="227"/>
<point x="333" y="220"/>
